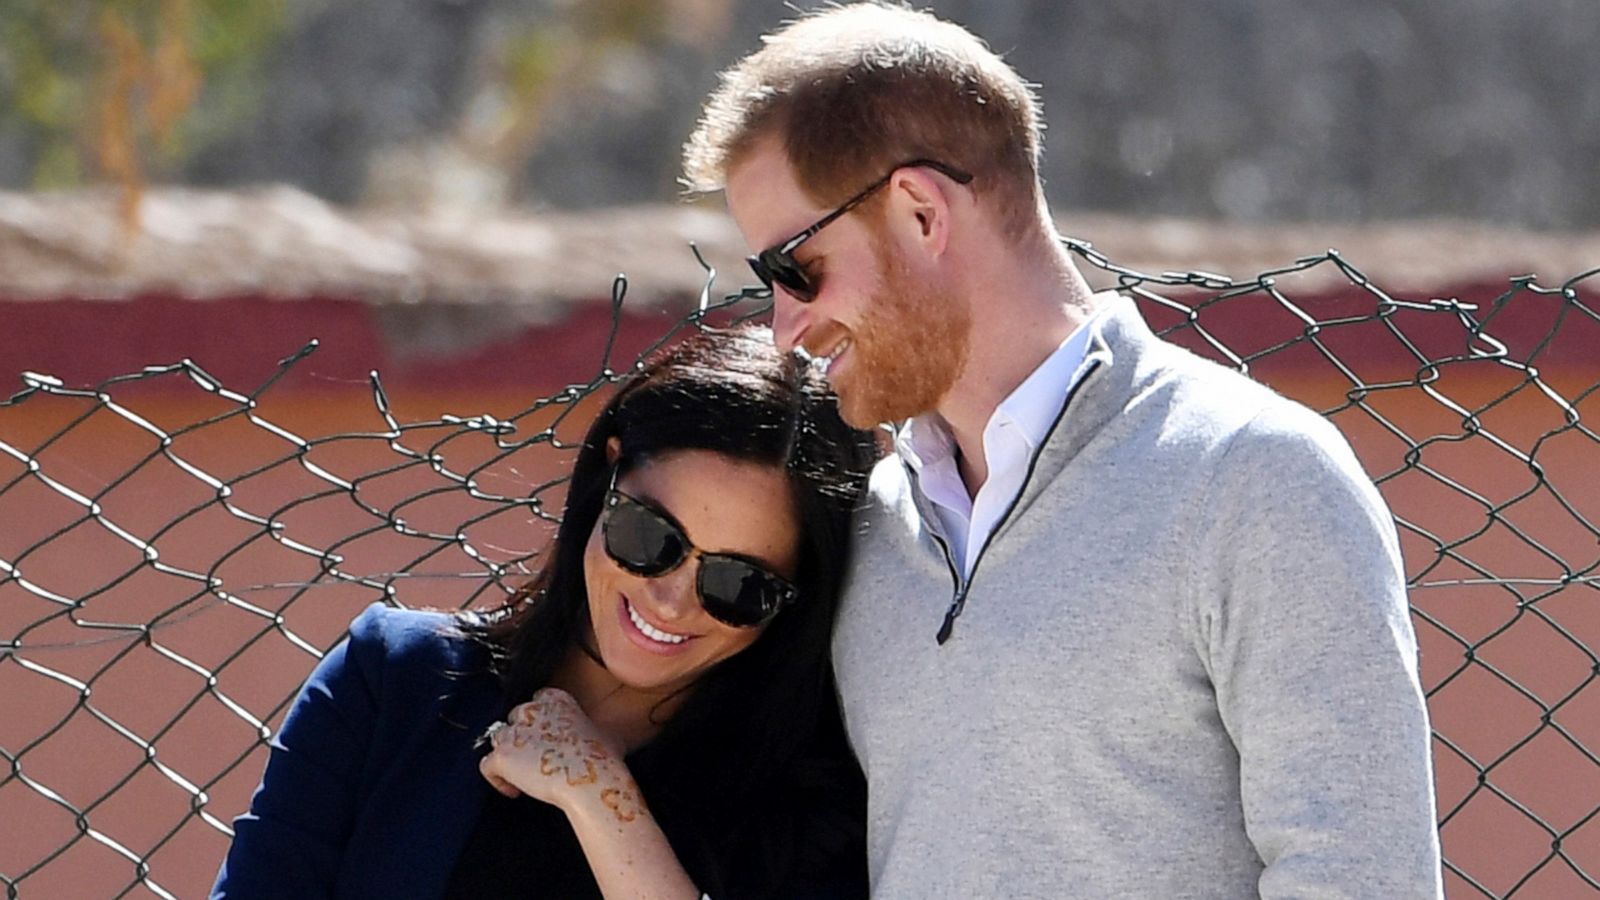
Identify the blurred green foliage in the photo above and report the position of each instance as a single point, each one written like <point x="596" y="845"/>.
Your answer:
<point x="113" y="88"/>
<point x="544" y="56"/>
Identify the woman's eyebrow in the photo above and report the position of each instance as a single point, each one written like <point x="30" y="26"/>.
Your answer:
<point x="661" y="509"/>
<point x="656" y="506"/>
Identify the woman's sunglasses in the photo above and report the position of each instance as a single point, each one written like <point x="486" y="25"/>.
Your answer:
<point x="646" y="541"/>
<point x="776" y="265"/>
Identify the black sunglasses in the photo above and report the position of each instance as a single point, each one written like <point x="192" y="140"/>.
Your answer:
<point x="776" y="265"/>
<point x="647" y="541"/>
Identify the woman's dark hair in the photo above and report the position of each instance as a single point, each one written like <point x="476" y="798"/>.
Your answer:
<point x="749" y="726"/>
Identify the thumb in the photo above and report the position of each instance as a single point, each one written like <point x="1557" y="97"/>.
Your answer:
<point x="490" y="773"/>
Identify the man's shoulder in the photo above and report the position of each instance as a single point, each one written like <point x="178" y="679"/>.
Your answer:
<point x="1155" y="376"/>
<point x="1259" y="443"/>
<point x="1232" y="405"/>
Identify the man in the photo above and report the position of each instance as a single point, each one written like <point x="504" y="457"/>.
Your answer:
<point x="1122" y="623"/>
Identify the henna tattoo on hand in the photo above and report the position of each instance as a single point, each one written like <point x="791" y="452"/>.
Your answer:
<point x="551" y="738"/>
<point x="555" y="762"/>
<point x="622" y="802"/>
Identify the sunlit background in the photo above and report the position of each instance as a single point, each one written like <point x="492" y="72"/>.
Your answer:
<point x="440" y="192"/>
<point x="1241" y="110"/>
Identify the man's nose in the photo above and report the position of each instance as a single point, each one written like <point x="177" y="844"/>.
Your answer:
<point x="788" y="319"/>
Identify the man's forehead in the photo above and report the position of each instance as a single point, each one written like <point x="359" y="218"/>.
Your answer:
<point x="765" y="199"/>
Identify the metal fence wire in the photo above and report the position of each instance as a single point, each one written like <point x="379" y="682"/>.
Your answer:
<point x="167" y="580"/>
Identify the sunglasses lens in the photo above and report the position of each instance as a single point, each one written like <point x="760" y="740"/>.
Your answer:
<point x="761" y="270"/>
<point x="777" y="268"/>
<point x="738" y="593"/>
<point x="640" y="541"/>
<point x="733" y="591"/>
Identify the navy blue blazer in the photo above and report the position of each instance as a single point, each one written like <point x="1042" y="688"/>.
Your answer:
<point x="371" y="788"/>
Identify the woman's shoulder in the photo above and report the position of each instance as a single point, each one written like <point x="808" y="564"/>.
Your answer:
<point x="422" y="638"/>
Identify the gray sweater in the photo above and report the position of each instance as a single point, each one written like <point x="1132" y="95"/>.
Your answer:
<point x="1184" y="665"/>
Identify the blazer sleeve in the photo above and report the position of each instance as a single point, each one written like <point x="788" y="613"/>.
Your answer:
<point x="290" y="842"/>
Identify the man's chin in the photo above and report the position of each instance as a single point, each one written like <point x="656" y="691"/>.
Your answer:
<point x="873" y="410"/>
<point x="860" y="419"/>
<point x="858" y="409"/>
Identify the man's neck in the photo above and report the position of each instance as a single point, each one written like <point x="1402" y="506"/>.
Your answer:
<point x="974" y="468"/>
<point x="1027" y="313"/>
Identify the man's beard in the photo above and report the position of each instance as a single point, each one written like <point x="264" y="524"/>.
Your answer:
<point x="910" y="347"/>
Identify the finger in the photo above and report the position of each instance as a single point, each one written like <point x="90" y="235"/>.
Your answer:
<point x="524" y="713"/>
<point x="554" y="697"/>
<point x="505" y="788"/>
<point x="486" y="766"/>
<point x="508" y="735"/>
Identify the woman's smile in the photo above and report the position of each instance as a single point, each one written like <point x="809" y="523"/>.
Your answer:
<point x="651" y="638"/>
<point x="652" y="633"/>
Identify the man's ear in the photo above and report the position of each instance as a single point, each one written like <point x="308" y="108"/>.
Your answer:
<point x="613" y="450"/>
<point x="920" y="206"/>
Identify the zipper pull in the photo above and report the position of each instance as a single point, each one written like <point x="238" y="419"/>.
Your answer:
<point x="956" y="605"/>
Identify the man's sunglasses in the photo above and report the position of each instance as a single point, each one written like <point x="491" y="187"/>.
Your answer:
<point x="776" y="265"/>
<point x="647" y="541"/>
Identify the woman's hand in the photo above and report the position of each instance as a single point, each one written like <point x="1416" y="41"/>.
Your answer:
<point x="548" y="749"/>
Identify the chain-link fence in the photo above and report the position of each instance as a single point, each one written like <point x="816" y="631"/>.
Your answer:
<point x="170" y="572"/>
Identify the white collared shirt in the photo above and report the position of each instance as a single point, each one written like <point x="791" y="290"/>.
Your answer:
<point x="1012" y="436"/>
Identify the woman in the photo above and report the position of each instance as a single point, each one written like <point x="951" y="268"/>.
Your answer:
<point x="657" y="703"/>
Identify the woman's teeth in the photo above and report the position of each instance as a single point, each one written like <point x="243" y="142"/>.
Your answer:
<point x="651" y="632"/>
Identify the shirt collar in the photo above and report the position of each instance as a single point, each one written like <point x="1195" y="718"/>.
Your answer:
<point x="1034" y="405"/>
<point x="925" y="441"/>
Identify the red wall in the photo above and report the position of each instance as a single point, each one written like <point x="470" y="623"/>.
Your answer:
<point x="1527" y="642"/>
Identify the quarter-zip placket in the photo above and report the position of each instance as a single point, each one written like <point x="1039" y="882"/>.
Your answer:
<point x="962" y="586"/>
